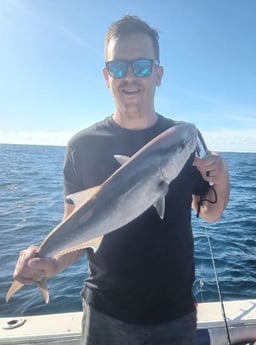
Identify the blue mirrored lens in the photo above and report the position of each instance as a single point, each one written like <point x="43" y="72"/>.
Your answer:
<point x="117" y="69"/>
<point x="142" y="68"/>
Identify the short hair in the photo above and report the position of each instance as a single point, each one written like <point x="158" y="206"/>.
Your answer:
<point x="129" y="25"/>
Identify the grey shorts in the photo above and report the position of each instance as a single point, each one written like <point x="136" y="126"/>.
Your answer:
<point x="99" y="329"/>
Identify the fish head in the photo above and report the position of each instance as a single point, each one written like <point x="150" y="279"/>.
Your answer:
<point x="178" y="143"/>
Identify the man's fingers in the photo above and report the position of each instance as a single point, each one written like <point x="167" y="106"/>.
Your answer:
<point x="22" y="272"/>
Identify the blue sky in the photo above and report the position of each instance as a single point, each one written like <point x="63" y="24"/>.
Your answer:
<point x="51" y="60"/>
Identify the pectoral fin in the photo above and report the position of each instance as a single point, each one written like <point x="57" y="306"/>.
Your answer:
<point x="16" y="286"/>
<point x="160" y="206"/>
<point x="81" y="197"/>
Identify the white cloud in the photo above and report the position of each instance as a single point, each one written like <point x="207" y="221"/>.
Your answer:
<point x="36" y="138"/>
<point x="219" y="140"/>
<point x="231" y="140"/>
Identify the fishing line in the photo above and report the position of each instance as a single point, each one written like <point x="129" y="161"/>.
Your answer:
<point x="218" y="286"/>
<point x="201" y="152"/>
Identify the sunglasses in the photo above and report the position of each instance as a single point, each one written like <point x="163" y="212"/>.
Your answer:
<point x="141" y="67"/>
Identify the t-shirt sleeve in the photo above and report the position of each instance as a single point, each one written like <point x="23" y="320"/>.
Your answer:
<point x="71" y="180"/>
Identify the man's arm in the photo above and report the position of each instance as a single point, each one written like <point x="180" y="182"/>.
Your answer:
<point x="30" y="268"/>
<point x="213" y="169"/>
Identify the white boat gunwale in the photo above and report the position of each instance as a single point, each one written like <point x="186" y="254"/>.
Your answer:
<point x="49" y="329"/>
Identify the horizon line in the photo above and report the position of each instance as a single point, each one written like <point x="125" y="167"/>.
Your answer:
<point x="64" y="146"/>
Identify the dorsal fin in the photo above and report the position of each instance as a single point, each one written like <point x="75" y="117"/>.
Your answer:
<point x="121" y="159"/>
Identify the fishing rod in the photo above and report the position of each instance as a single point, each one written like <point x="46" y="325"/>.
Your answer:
<point x="218" y="286"/>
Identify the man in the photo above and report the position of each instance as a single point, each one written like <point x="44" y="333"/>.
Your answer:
<point x="139" y="290"/>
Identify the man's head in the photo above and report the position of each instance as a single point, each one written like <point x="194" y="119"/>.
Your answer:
<point x="132" y="70"/>
<point x="129" y="25"/>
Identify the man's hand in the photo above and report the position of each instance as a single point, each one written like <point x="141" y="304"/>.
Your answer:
<point x="30" y="268"/>
<point x="212" y="167"/>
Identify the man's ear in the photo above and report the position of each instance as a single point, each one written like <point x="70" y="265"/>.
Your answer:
<point x="106" y="76"/>
<point x="159" y="75"/>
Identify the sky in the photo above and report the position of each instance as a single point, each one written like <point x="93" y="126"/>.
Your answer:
<point x="52" y="55"/>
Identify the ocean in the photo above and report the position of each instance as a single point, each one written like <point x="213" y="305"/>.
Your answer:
<point x="32" y="204"/>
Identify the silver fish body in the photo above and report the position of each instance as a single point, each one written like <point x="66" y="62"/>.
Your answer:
<point x="140" y="182"/>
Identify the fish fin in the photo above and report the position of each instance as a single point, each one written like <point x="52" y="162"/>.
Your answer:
<point x="93" y="243"/>
<point x="81" y="197"/>
<point x="43" y="288"/>
<point x="160" y="206"/>
<point x="121" y="159"/>
<point x="16" y="286"/>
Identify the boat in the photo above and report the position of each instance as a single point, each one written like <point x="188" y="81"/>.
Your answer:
<point x="240" y="319"/>
<point x="65" y="328"/>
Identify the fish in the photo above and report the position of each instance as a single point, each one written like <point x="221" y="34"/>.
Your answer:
<point x="141" y="181"/>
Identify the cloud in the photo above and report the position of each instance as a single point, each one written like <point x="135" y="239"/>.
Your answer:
<point x="217" y="140"/>
<point x="231" y="140"/>
<point x="35" y="138"/>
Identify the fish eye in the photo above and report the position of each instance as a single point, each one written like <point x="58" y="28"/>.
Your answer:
<point x="181" y="145"/>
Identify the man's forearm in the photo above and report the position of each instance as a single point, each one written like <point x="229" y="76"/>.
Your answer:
<point x="66" y="260"/>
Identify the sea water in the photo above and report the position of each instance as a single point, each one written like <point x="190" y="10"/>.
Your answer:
<point x="32" y="204"/>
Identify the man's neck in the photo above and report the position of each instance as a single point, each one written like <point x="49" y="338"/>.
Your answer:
<point x="131" y="121"/>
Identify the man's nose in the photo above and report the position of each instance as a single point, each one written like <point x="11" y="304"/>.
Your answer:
<point x="129" y="74"/>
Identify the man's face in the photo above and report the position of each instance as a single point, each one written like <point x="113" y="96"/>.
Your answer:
<point x="133" y="96"/>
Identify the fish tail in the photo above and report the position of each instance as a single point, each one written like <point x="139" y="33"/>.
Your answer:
<point x="16" y="286"/>
<point x="43" y="289"/>
<point x="13" y="289"/>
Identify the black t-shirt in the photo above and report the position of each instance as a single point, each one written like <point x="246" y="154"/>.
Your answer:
<point x="142" y="273"/>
